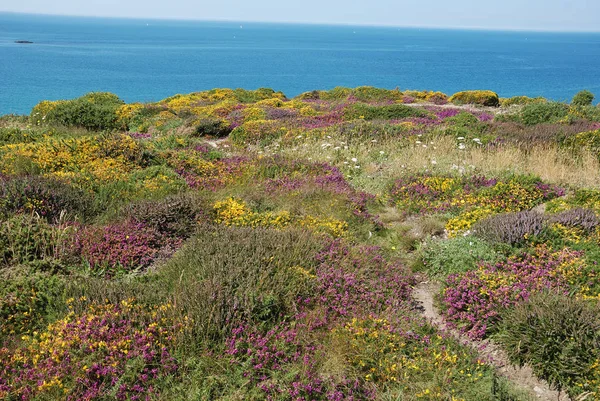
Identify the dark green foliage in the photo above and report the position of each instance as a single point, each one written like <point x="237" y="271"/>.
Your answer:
<point x="212" y="127"/>
<point x="387" y="112"/>
<point x="227" y="276"/>
<point x="337" y="93"/>
<point x="558" y="336"/>
<point x="27" y="301"/>
<point x="44" y="197"/>
<point x="371" y="94"/>
<point x="456" y="255"/>
<point x="538" y="113"/>
<point x="510" y="228"/>
<point x="583" y="98"/>
<point x="464" y="120"/>
<point x="94" y="111"/>
<point x="175" y="215"/>
<point x="141" y="119"/>
<point x="17" y="135"/>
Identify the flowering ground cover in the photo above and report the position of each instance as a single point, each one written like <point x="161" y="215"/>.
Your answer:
<point x="234" y="244"/>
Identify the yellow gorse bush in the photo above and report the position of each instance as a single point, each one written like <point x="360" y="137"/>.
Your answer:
<point x="231" y="212"/>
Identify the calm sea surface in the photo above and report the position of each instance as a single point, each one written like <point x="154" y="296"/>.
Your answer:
<point x="144" y="60"/>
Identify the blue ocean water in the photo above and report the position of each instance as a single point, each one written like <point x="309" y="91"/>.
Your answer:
<point x="145" y="60"/>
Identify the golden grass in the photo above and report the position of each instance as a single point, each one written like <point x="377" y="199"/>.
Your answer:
<point x="379" y="162"/>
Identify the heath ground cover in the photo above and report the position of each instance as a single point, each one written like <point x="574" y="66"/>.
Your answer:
<point x="234" y="244"/>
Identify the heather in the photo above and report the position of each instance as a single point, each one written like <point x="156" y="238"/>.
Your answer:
<point x="235" y="244"/>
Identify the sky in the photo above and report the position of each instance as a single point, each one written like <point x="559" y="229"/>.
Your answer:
<point x="551" y="15"/>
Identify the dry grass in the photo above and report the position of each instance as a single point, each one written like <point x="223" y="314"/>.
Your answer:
<point x="379" y="162"/>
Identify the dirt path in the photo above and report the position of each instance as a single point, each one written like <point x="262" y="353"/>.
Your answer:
<point x="424" y="293"/>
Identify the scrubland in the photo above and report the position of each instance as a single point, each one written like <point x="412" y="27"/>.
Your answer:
<point x="240" y="245"/>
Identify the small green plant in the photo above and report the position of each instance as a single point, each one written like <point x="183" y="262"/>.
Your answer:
<point x="456" y="255"/>
<point x="583" y="98"/>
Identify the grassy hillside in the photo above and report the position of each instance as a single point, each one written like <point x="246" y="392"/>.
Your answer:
<point x="240" y="245"/>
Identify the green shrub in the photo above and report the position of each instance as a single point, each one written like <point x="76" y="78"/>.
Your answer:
<point x="558" y="336"/>
<point x="27" y="302"/>
<point x="463" y="120"/>
<point x="358" y="131"/>
<point x="520" y="100"/>
<point x="17" y="135"/>
<point x="24" y="238"/>
<point x="94" y="111"/>
<point x="337" y="93"/>
<point x="538" y="113"/>
<point x="388" y="112"/>
<point x="370" y="94"/>
<point x="227" y="276"/>
<point x="175" y="215"/>
<point x="212" y="127"/>
<point x="45" y="197"/>
<point x="257" y="132"/>
<point x="583" y="98"/>
<point x="456" y="255"/>
<point x="479" y="97"/>
<point x="253" y="96"/>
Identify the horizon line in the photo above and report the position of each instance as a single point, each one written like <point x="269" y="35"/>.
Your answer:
<point x="336" y="24"/>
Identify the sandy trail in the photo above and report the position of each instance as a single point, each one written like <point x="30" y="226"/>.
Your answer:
<point x="488" y="351"/>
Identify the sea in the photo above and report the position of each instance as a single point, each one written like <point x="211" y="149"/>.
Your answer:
<point x="148" y="60"/>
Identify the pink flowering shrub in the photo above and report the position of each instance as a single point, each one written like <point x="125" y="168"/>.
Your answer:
<point x="107" y="352"/>
<point x="474" y="300"/>
<point x="359" y="282"/>
<point x="123" y="246"/>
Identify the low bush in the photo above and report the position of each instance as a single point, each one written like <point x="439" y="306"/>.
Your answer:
<point x="213" y="127"/>
<point x="27" y="302"/>
<point x="369" y="94"/>
<point x="387" y="112"/>
<point x="228" y="276"/>
<point x="510" y="228"/>
<point x="559" y="337"/>
<point x="94" y="111"/>
<point x="175" y="215"/>
<point x="456" y="255"/>
<point x="520" y="100"/>
<point x="25" y="238"/>
<point x="473" y="300"/>
<point x="585" y="219"/>
<point x="119" y="248"/>
<point x="257" y="132"/>
<point x="583" y="98"/>
<point x="538" y="113"/>
<point x="45" y="197"/>
<point x="478" y="97"/>
<point x="110" y="351"/>
<point x="463" y="120"/>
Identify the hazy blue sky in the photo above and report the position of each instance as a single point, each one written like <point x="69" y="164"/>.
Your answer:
<point x="511" y="14"/>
